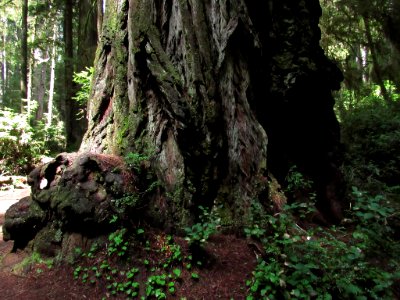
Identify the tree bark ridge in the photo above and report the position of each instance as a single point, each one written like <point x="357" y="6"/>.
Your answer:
<point x="198" y="86"/>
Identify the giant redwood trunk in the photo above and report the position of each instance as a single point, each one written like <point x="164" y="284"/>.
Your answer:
<point x="222" y="98"/>
<point x="220" y="93"/>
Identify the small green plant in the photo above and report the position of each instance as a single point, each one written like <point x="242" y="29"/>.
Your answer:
<point x="159" y="277"/>
<point x="84" y="79"/>
<point x="372" y="231"/>
<point x="156" y="285"/>
<point x="300" y="193"/>
<point x="255" y="232"/>
<point x="200" y="232"/>
<point x="123" y="205"/>
<point x="295" y="180"/>
<point x="118" y="244"/>
<point x="132" y="201"/>
<point x="134" y="160"/>
<point x="369" y="209"/>
<point x="35" y="259"/>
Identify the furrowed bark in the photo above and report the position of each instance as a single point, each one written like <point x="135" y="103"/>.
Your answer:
<point x="198" y="85"/>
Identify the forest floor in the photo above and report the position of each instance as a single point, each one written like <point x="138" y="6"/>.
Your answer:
<point x="19" y="280"/>
<point x="233" y="263"/>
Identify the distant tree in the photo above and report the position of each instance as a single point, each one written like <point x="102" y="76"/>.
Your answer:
<point x="87" y="38"/>
<point x="68" y="104"/>
<point x="354" y="35"/>
<point x="392" y="25"/>
<point x="100" y="13"/>
<point x="24" y="54"/>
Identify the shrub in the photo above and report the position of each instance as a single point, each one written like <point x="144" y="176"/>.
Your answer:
<point x="371" y="134"/>
<point x="322" y="263"/>
<point x="84" y="79"/>
<point x="21" y="145"/>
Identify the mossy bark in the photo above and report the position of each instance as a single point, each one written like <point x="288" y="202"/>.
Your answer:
<point x="200" y="85"/>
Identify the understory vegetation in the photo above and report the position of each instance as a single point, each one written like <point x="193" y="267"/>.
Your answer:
<point x="296" y="258"/>
<point x="359" y="258"/>
<point x="23" y="142"/>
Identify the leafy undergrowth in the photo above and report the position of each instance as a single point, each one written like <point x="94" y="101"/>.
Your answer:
<point x="150" y="264"/>
<point x="282" y="257"/>
<point x="349" y="262"/>
<point x="22" y="145"/>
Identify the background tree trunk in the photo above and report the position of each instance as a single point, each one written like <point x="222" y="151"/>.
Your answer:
<point x="201" y="84"/>
<point x="3" y="68"/>
<point x="375" y="64"/>
<point x="87" y="34"/>
<point x="41" y="78"/>
<point x="392" y="25"/>
<point x="68" y="103"/>
<point x="100" y="4"/>
<point x="52" y="79"/>
<point x="87" y="44"/>
<point x="24" y="55"/>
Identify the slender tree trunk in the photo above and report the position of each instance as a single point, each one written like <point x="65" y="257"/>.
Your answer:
<point x="392" y="26"/>
<point x="100" y="13"/>
<point x="3" y="68"/>
<point x="87" y="34"/>
<point x="24" y="55"/>
<point x="52" y="78"/>
<point x="375" y="63"/>
<point x="68" y="106"/>
<point x="41" y="86"/>
<point x="87" y="44"/>
<point x="363" y="61"/>
<point x="33" y="76"/>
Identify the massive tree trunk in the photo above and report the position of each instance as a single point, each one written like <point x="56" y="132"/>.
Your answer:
<point x="220" y="98"/>
<point x="219" y="94"/>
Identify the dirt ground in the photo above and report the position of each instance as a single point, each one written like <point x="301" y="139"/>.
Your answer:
<point x="225" y="279"/>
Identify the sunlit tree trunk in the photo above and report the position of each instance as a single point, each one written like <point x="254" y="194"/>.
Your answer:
<point x="24" y="55"/>
<point x="41" y="85"/>
<point x="52" y="78"/>
<point x="33" y="76"/>
<point x="375" y="64"/>
<point x="100" y="13"/>
<point x="4" y="70"/>
<point x="3" y="67"/>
